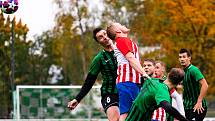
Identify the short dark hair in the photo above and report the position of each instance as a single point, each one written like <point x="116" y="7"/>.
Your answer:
<point x="176" y="75"/>
<point x="150" y="60"/>
<point x="183" y="50"/>
<point x="95" y="31"/>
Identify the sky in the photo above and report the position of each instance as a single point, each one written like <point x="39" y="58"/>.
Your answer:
<point x="37" y="14"/>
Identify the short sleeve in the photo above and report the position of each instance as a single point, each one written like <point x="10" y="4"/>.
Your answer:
<point x="95" y="66"/>
<point x="196" y="74"/>
<point x="162" y="94"/>
<point x="124" y="45"/>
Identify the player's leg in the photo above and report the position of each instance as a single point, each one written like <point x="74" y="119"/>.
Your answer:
<point x="127" y="93"/>
<point x="123" y="117"/>
<point x="110" y="104"/>
<point x="113" y="113"/>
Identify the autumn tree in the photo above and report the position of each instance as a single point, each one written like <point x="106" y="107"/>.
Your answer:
<point x="6" y="83"/>
<point x="72" y="40"/>
<point x="180" y="24"/>
<point x="173" y="24"/>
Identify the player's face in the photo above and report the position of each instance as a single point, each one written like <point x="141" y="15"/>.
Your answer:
<point x="103" y="39"/>
<point x="119" y="27"/>
<point x="159" y="70"/>
<point x="184" y="59"/>
<point x="148" y="67"/>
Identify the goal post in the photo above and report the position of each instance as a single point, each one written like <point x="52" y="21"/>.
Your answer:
<point x="50" y="102"/>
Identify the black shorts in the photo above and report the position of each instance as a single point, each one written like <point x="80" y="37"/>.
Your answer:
<point x="194" y="116"/>
<point x="109" y="100"/>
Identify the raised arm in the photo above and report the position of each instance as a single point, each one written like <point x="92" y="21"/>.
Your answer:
<point x="135" y="64"/>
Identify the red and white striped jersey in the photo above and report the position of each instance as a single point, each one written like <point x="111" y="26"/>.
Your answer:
<point x="125" y="72"/>
<point x="159" y="114"/>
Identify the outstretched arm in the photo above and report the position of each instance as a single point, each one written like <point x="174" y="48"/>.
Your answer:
<point x="172" y="111"/>
<point x="88" y="84"/>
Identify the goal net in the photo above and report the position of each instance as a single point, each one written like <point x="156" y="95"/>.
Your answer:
<point x="50" y="102"/>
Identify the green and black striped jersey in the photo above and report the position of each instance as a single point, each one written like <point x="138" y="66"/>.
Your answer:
<point x="105" y="63"/>
<point x="192" y="87"/>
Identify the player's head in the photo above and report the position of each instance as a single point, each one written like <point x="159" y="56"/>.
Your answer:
<point x="116" y="28"/>
<point x="149" y="66"/>
<point x="176" y="75"/>
<point x="184" y="57"/>
<point x="160" y="69"/>
<point x="101" y="37"/>
<point x="95" y="31"/>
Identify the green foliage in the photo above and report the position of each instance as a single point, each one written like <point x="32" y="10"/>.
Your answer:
<point x="179" y="24"/>
<point x="173" y="25"/>
<point x="21" y="57"/>
<point x="72" y="41"/>
<point x="169" y="24"/>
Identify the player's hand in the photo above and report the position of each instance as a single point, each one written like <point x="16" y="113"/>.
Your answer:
<point x="198" y="107"/>
<point x="72" y="104"/>
<point x="146" y="76"/>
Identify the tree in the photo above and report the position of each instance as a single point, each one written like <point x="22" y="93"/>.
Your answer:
<point x="72" y="39"/>
<point x="20" y="37"/>
<point x="180" y="24"/>
<point x="173" y="24"/>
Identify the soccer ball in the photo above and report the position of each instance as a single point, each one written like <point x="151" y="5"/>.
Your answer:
<point x="9" y="6"/>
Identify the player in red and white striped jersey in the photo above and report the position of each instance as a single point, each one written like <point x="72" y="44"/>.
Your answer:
<point x="125" y="70"/>
<point x="129" y="67"/>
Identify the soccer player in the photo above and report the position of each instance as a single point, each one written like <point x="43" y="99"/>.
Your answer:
<point x="105" y="63"/>
<point x="160" y="70"/>
<point x="159" y="114"/>
<point x="129" y="67"/>
<point x="157" y="69"/>
<point x="195" y="88"/>
<point x="149" y="66"/>
<point x="155" y="94"/>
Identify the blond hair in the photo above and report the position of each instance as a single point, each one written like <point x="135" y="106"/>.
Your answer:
<point x="163" y="65"/>
<point x="111" y="31"/>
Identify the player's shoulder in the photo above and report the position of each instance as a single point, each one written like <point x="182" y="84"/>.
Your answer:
<point x="193" y="68"/>
<point x="100" y="53"/>
<point x="158" y="84"/>
<point x="98" y="56"/>
<point x="119" y="39"/>
<point x="158" y="81"/>
<point x="154" y="81"/>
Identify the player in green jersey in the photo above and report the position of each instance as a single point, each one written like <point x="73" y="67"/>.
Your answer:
<point x="195" y="88"/>
<point x="157" y="69"/>
<point x="105" y="63"/>
<point x="177" y="101"/>
<point x="155" y="94"/>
